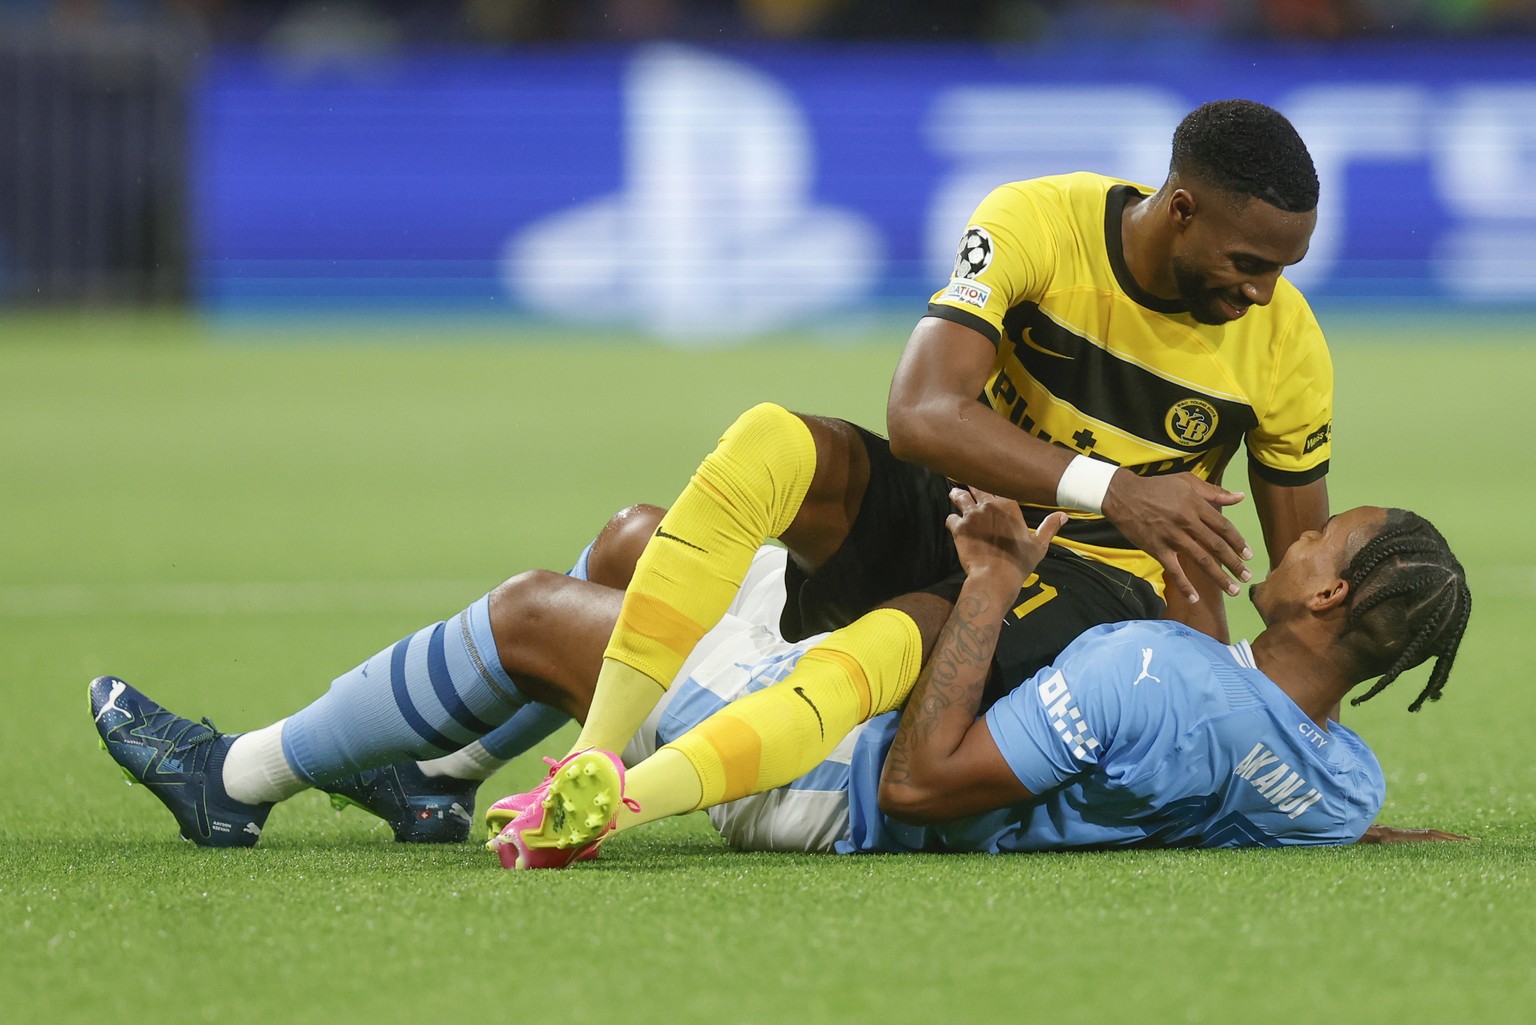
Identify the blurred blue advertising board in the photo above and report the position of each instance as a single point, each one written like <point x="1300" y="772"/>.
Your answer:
<point x="708" y="194"/>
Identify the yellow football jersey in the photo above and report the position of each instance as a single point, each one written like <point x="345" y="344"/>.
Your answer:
<point x="1088" y="360"/>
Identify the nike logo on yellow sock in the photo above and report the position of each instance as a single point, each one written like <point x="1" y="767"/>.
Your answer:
<point x="674" y="537"/>
<point x="819" y="724"/>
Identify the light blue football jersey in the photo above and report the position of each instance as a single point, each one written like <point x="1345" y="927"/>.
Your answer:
<point x="1146" y="734"/>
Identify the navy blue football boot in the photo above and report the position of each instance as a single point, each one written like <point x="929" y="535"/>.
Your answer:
<point x="418" y="807"/>
<point x="180" y="761"/>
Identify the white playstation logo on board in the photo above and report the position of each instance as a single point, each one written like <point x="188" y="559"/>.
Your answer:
<point x="715" y="231"/>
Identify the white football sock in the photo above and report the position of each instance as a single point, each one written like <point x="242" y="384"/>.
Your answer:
<point x="256" y="771"/>
<point x="471" y="761"/>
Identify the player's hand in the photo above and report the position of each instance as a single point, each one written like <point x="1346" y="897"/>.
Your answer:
<point x="1378" y="833"/>
<point x="990" y="532"/>
<point x="1177" y="519"/>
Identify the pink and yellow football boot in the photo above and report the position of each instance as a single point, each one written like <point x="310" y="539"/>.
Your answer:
<point x="564" y="818"/>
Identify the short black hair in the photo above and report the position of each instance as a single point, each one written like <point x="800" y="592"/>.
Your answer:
<point x="1408" y="602"/>
<point x="1247" y="149"/>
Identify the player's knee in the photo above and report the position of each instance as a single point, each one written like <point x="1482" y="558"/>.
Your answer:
<point x="765" y="434"/>
<point x="876" y="659"/>
<point x="619" y="544"/>
<point x="764" y="419"/>
<point x="819" y="469"/>
<point x="834" y="440"/>
<point x="761" y="469"/>
<point x="519" y="605"/>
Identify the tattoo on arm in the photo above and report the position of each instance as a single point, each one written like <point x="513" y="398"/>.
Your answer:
<point x="948" y="692"/>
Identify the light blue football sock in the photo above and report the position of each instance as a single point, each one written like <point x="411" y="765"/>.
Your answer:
<point x="436" y="691"/>
<point x="425" y="695"/>
<point x="532" y="723"/>
<point x="483" y="758"/>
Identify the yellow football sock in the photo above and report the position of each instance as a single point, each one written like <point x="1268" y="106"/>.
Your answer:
<point x="622" y="700"/>
<point x="775" y="736"/>
<point x="746" y="491"/>
<point x="664" y="784"/>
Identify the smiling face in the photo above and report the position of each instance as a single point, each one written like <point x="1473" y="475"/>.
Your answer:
<point x="1314" y="563"/>
<point x="1228" y="250"/>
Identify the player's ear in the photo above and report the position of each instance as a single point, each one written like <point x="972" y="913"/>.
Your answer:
<point x="1329" y="597"/>
<point x="1181" y="208"/>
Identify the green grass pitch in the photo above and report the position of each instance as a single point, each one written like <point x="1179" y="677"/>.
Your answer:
<point x="229" y="518"/>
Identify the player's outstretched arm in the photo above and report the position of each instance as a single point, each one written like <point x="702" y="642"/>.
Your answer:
<point x="944" y="763"/>
<point x="1391" y="834"/>
<point x="934" y="420"/>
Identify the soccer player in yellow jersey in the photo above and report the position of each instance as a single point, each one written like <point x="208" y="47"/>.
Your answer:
<point x="1137" y="329"/>
<point x="1122" y="341"/>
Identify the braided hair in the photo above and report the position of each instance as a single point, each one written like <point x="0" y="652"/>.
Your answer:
<point x="1247" y="149"/>
<point x="1408" y="602"/>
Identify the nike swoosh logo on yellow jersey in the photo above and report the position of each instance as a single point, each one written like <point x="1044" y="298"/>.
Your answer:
<point x="1028" y="339"/>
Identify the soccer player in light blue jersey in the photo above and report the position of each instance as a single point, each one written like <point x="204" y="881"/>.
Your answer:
<point x="1142" y="734"/>
<point x="1153" y="734"/>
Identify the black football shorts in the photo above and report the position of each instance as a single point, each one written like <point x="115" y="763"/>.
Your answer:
<point x="899" y="545"/>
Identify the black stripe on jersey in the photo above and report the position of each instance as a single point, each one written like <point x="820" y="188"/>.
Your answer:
<point x="965" y="319"/>
<point x="1288" y="478"/>
<point x="1114" y="207"/>
<point x="1110" y="389"/>
<point x="1098" y="532"/>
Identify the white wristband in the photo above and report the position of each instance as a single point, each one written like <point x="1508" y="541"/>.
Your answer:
<point x="1084" y="483"/>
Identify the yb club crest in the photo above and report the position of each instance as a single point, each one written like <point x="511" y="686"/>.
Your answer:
<point x="1191" y="422"/>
